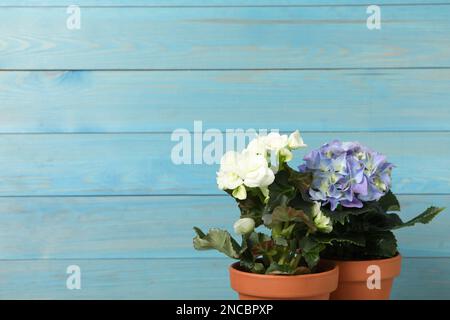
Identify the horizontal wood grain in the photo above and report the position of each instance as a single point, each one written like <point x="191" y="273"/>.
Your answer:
<point x="85" y="119"/>
<point x="130" y="164"/>
<point x="117" y="279"/>
<point x="177" y="279"/>
<point x="159" y="227"/>
<point x="99" y="101"/>
<point x="224" y="38"/>
<point x="175" y="3"/>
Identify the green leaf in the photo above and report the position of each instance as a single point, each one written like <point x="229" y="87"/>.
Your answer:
<point x="301" y="181"/>
<point x="389" y="202"/>
<point x="199" y="232"/>
<point x="258" y="268"/>
<point x="287" y="214"/>
<point x="254" y="267"/>
<point x="252" y="207"/>
<point x="281" y="192"/>
<point x="279" y="241"/>
<point x="381" y="221"/>
<point x="356" y="239"/>
<point x="219" y="240"/>
<point x="342" y="215"/>
<point x="276" y="268"/>
<point x="381" y="244"/>
<point x="283" y="214"/>
<point x="260" y="244"/>
<point x="425" y="217"/>
<point x="311" y="249"/>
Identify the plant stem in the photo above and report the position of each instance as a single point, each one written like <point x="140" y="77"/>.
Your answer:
<point x="284" y="256"/>
<point x="295" y="261"/>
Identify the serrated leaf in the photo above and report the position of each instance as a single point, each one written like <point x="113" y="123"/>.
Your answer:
<point x="219" y="240"/>
<point x="199" y="232"/>
<point x="342" y="215"/>
<point x="425" y="217"/>
<point x="381" y="221"/>
<point x="356" y="239"/>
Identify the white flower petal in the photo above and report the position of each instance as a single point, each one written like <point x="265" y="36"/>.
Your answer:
<point x="240" y="193"/>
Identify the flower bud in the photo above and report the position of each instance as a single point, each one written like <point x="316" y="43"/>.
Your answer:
<point x="244" y="226"/>
<point x="285" y="155"/>
<point x="322" y="222"/>
<point x="295" y="141"/>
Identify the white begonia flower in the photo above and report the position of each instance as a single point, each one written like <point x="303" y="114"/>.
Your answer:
<point x="229" y="161"/>
<point x="244" y="226"/>
<point x="277" y="149"/>
<point x="246" y="169"/>
<point x="295" y="141"/>
<point x="276" y="142"/>
<point x="256" y="166"/>
<point x="322" y="222"/>
<point x="258" y="145"/>
<point x="228" y="180"/>
<point x="254" y="170"/>
<point x="228" y="177"/>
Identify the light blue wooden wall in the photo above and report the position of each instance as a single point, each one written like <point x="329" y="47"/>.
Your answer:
<point x="86" y="117"/>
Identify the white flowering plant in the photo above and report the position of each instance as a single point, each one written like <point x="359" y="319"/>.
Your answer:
<point x="272" y="196"/>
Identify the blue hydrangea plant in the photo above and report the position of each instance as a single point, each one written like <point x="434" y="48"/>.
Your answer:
<point x="353" y="184"/>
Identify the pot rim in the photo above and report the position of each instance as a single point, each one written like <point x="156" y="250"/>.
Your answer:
<point x="332" y="269"/>
<point x="398" y="256"/>
<point x="304" y="286"/>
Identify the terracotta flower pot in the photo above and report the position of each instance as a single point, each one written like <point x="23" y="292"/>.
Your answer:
<point x="317" y="286"/>
<point x="366" y="280"/>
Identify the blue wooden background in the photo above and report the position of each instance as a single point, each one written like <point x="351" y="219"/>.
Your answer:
<point x="86" y="117"/>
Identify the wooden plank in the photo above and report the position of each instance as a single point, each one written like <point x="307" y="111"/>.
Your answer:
<point x="130" y="164"/>
<point x="78" y="101"/>
<point x="175" y="3"/>
<point x="116" y="279"/>
<point x="423" y="279"/>
<point x="177" y="279"/>
<point x="158" y="227"/>
<point x="224" y="38"/>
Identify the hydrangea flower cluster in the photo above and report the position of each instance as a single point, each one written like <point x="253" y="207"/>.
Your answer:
<point x="347" y="173"/>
